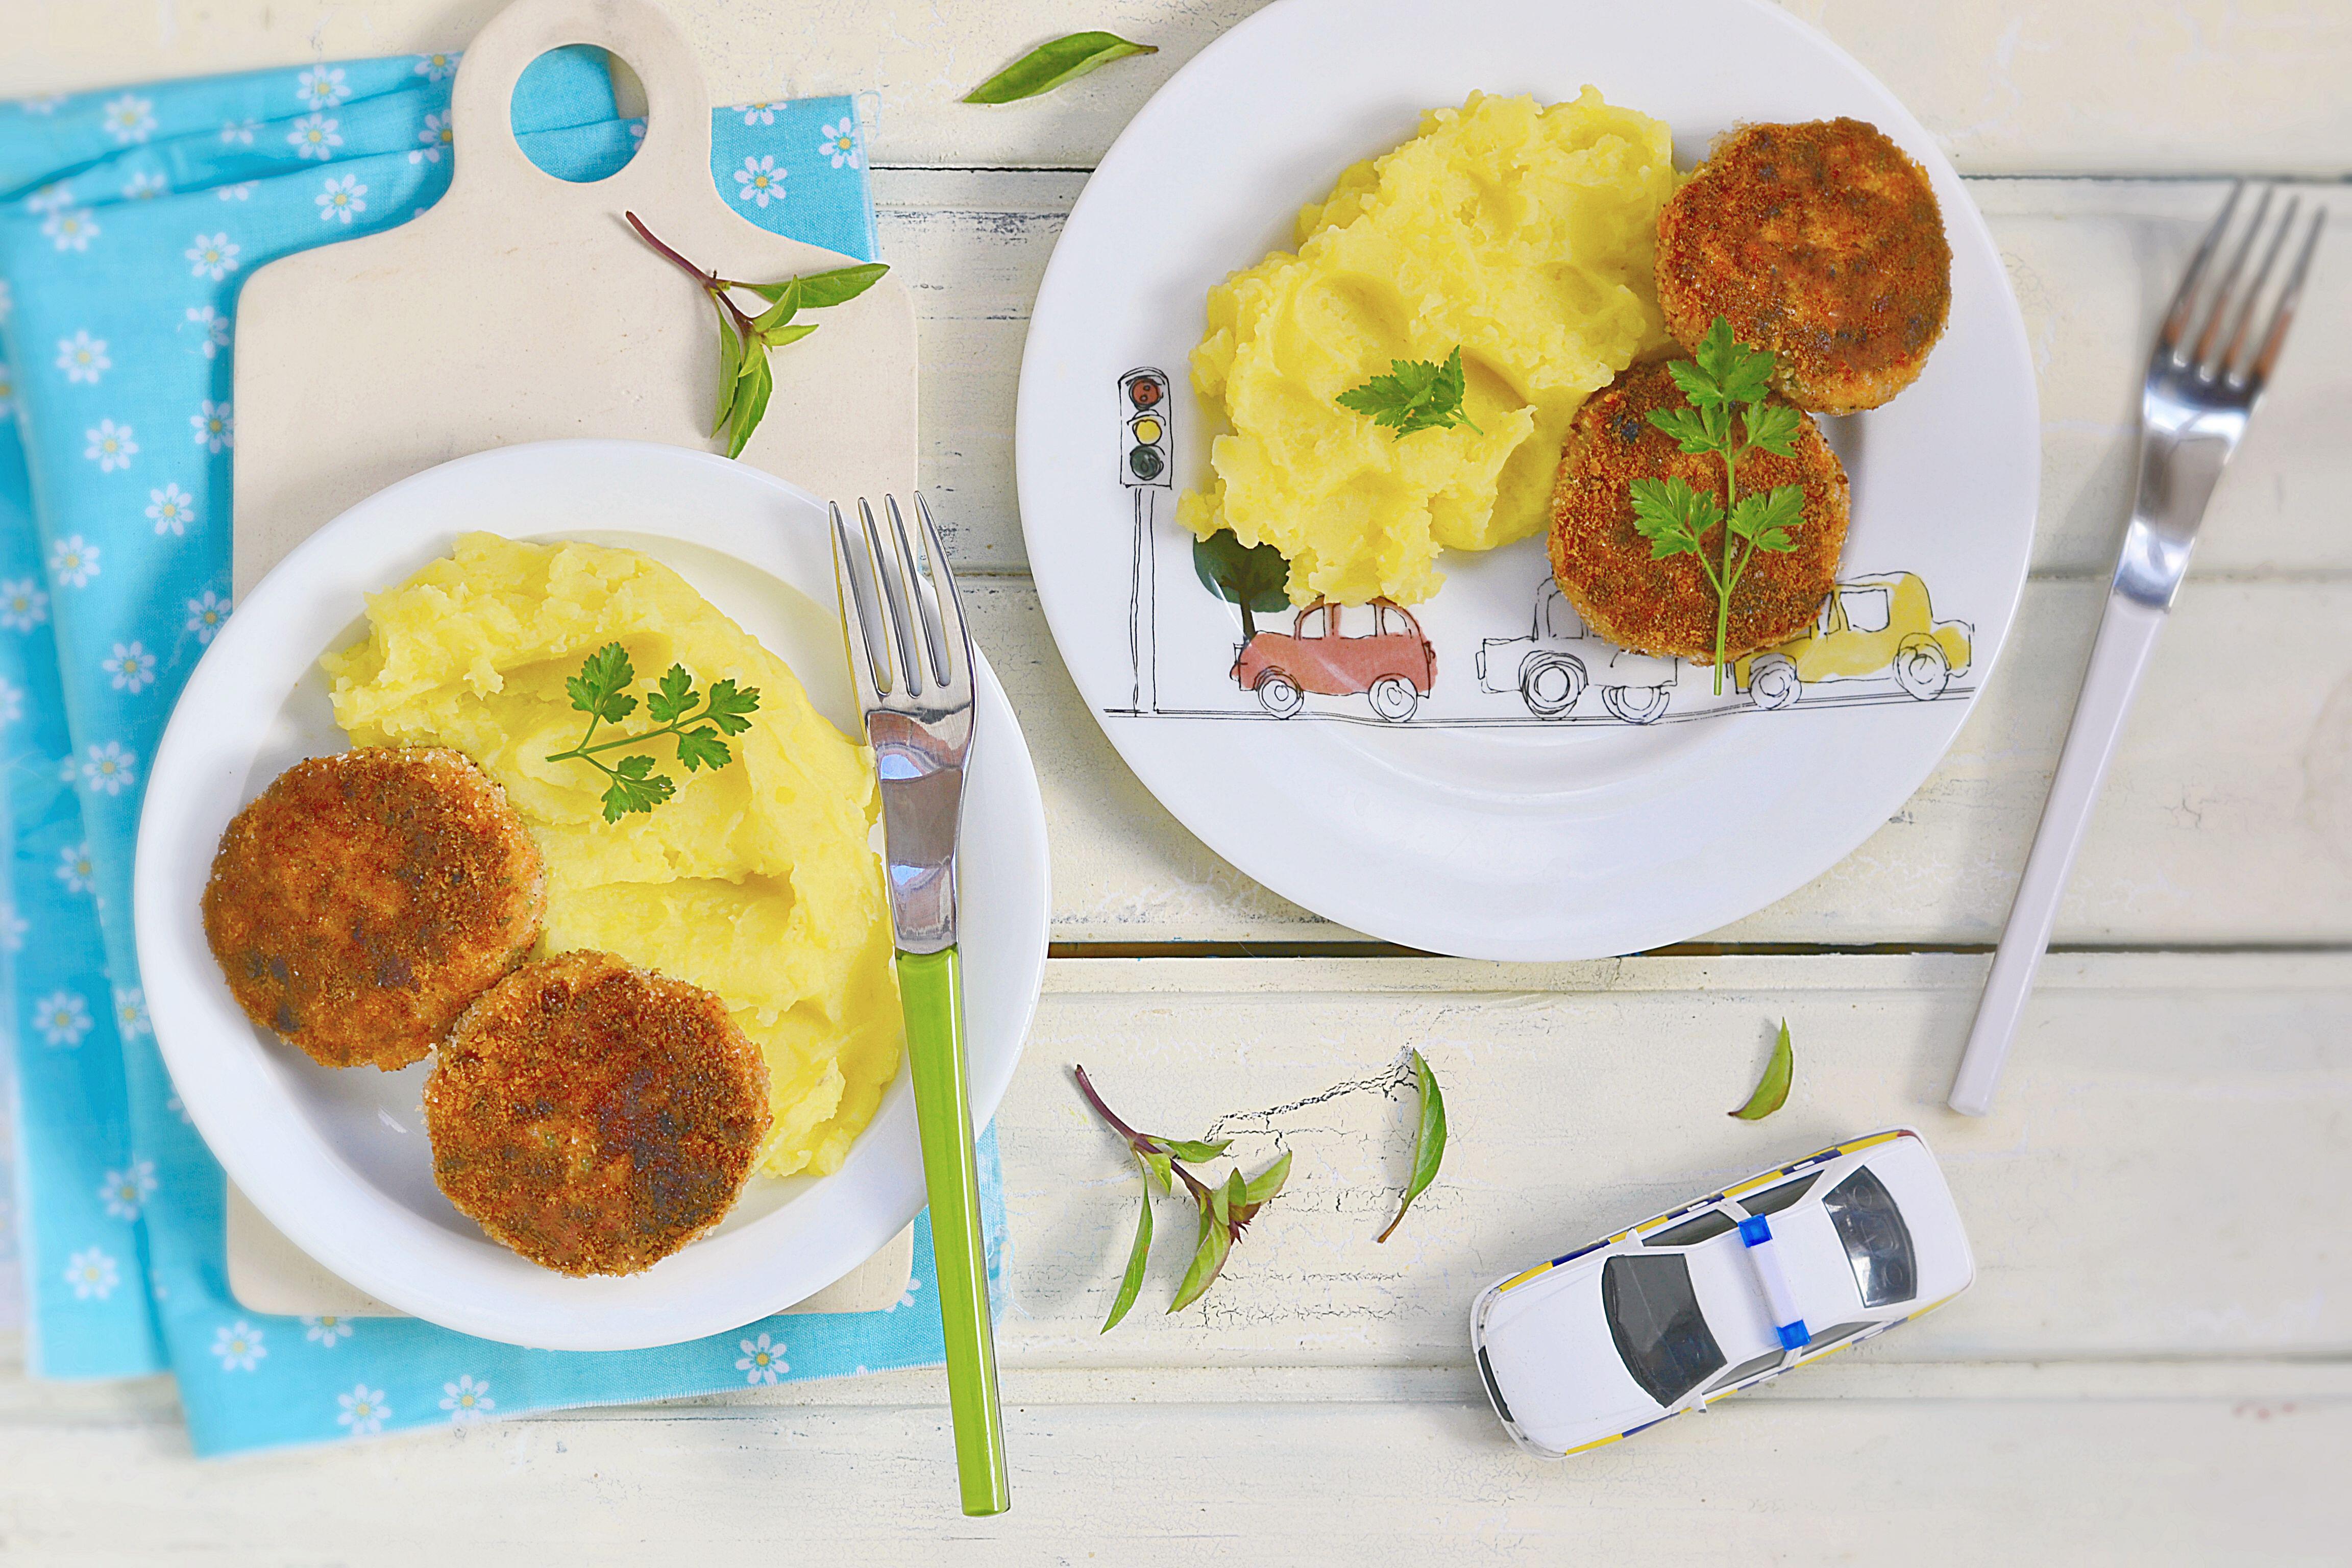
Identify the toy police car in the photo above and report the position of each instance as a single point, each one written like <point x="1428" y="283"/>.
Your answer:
<point x="1721" y="1294"/>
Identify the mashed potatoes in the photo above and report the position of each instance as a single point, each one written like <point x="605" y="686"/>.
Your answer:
<point x="1524" y="235"/>
<point x="757" y="882"/>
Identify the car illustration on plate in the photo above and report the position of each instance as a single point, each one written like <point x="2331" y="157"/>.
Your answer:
<point x="1338" y="650"/>
<point x="1553" y="666"/>
<point x="1720" y="1294"/>
<point x="1871" y="628"/>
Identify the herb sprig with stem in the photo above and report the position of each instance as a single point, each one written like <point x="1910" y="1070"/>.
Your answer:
<point x="1673" y="517"/>
<point x="745" y="379"/>
<point x="1414" y="396"/>
<point x="601" y="690"/>
<point x="1226" y="1208"/>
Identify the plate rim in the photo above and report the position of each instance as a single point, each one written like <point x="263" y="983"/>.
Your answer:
<point x="204" y="1070"/>
<point x="1293" y="877"/>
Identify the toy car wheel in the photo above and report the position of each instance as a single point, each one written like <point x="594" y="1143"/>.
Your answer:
<point x="1279" y="695"/>
<point x="1921" y="670"/>
<point x="1772" y="681"/>
<point x="1636" y="704"/>
<point x="1395" y="699"/>
<point x="1551" y="683"/>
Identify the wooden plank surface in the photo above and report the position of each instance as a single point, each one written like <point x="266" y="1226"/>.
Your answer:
<point x="2007" y="85"/>
<point x="2151" y="1366"/>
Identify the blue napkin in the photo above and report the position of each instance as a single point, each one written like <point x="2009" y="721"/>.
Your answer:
<point x="128" y="221"/>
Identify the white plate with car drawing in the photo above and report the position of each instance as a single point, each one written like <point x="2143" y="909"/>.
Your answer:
<point x="1524" y="791"/>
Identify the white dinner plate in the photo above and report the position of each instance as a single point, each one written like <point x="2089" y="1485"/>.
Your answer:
<point x="1650" y="811"/>
<point x="338" y="1159"/>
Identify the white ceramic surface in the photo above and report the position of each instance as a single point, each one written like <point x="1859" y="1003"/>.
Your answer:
<point x="1476" y="828"/>
<point x="338" y="1160"/>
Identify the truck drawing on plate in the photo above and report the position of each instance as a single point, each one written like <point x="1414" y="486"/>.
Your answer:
<point x="1873" y="628"/>
<point x="1559" y="660"/>
<point x="1336" y="650"/>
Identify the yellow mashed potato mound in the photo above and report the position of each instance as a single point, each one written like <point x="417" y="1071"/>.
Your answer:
<point x="1525" y="235"/>
<point x="757" y="882"/>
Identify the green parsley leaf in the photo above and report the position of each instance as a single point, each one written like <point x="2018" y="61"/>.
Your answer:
<point x="1772" y="1089"/>
<point x="1049" y="65"/>
<point x="1689" y="429"/>
<point x="1672" y="516"/>
<point x="702" y="748"/>
<point x="675" y="698"/>
<point x="602" y="684"/>
<point x="1772" y="428"/>
<point x="635" y="787"/>
<point x="1414" y="396"/>
<point x="728" y="707"/>
<point x="1741" y="374"/>
<point x="1428" y="1140"/>
<point x="1765" y="520"/>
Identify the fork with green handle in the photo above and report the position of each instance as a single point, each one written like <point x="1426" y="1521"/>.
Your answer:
<point x="911" y="658"/>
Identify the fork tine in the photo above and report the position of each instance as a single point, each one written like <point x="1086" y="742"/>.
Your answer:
<point x="955" y="639"/>
<point x="2218" y="308"/>
<point x="857" y="615"/>
<point x="2283" y="317"/>
<point x="925" y="605"/>
<point x="2228" y="363"/>
<point x="891" y="570"/>
<point x="2184" y="300"/>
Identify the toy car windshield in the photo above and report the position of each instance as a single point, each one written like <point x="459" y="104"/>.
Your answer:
<point x="1878" y="1243"/>
<point x="1654" y="1317"/>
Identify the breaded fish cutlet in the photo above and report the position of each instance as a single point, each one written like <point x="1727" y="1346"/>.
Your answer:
<point x="364" y="900"/>
<point x="1667" y="606"/>
<point x="593" y="1116"/>
<point x="1821" y="242"/>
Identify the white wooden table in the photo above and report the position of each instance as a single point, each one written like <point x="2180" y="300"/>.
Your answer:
<point x="2156" y="1363"/>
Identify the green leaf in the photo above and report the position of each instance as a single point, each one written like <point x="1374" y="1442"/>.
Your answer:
<point x="1686" y="428"/>
<point x="1414" y="396"/>
<point x="819" y="291"/>
<point x="1252" y="575"/>
<point x="1137" y="1257"/>
<point x="1738" y="374"/>
<point x="1428" y="1140"/>
<point x="1048" y="66"/>
<point x="702" y="747"/>
<point x="787" y="303"/>
<point x="674" y="699"/>
<point x="1673" y="516"/>
<point x="1772" y="1089"/>
<point x="727" y="706"/>
<point x="1208" y="1253"/>
<point x="1156" y="1167"/>
<point x="1772" y="427"/>
<point x="730" y="365"/>
<point x="1268" y="1181"/>
<point x="1194" y="1153"/>
<point x="777" y="337"/>
<point x="635" y="787"/>
<point x="751" y="404"/>
<point x="1697" y="384"/>
<point x="1765" y="520"/>
<point x="602" y="685"/>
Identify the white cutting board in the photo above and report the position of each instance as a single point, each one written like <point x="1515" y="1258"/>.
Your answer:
<point x="522" y="308"/>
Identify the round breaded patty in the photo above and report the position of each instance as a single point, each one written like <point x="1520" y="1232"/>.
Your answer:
<point x="366" y="899"/>
<point x="1667" y="606"/>
<point x="1822" y="242"/>
<point x="593" y="1116"/>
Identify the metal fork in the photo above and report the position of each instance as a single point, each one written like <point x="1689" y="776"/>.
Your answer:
<point x="2204" y="380"/>
<point x="912" y="657"/>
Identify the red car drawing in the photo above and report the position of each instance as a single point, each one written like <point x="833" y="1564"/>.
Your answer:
<point x="1337" y="650"/>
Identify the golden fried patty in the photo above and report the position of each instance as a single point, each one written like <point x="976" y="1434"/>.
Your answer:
<point x="593" y="1116"/>
<point x="1667" y="606"/>
<point x="1821" y="242"/>
<point x="365" y="900"/>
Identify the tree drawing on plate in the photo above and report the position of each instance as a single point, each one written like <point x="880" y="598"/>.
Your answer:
<point x="1253" y="578"/>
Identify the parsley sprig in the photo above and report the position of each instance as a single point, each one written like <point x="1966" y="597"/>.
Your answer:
<point x="1414" y="396"/>
<point x="697" y="722"/>
<point x="1674" y="518"/>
